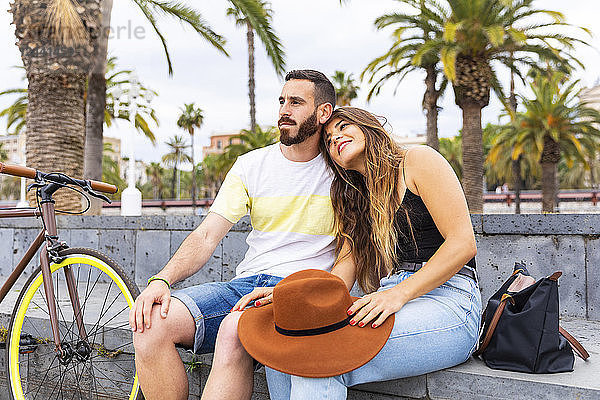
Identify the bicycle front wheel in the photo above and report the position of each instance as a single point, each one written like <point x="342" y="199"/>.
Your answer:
<point x="98" y="366"/>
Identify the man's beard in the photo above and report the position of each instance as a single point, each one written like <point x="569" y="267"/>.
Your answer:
<point x="307" y="128"/>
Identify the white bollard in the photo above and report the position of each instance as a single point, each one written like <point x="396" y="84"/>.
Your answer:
<point x="131" y="202"/>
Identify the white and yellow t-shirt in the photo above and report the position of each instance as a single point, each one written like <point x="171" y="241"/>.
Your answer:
<point x="290" y="210"/>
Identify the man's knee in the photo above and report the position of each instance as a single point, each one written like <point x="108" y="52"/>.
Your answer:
<point x="177" y="328"/>
<point x="149" y="340"/>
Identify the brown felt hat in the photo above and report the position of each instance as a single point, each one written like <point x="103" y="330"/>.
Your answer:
<point x="305" y="331"/>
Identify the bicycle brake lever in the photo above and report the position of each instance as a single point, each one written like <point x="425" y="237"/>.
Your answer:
<point x="100" y="196"/>
<point x="34" y="185"/>
<point x="91" y="192"/>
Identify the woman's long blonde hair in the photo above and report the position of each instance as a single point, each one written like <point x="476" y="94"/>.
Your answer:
<point x="365" y="206"/>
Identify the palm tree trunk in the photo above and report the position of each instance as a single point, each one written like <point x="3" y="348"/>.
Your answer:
<point x="155" y="189"/>
<point x="550" y="158"/>
<point x="95" y="108"/>
<point x="173" y="182"/>
<point x="430" y="107"/>
<point x="516" y="171"/>
<point x="592" y="164"/>
<point x="251" y="83"/>
<point x="55" y="129"/>
<point x="56" y="75"/>
<point x="471" y="94"/>
<point x="472" y="149"/>
<point x="516" y="164"/>
<point x="193" y="175"/>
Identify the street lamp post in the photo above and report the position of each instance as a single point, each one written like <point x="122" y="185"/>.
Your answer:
<point x="131" y="198"/>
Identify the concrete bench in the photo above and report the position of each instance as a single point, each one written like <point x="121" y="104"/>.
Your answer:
<point x="570" y="243"/>
<point x="472" y="380"/>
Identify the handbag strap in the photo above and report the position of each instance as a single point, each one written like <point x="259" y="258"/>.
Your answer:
<point x="492" y="327"/>
<point x="577" y="347"/>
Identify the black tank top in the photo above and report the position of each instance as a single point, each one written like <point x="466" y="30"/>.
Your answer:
<point x="427" y="237"/>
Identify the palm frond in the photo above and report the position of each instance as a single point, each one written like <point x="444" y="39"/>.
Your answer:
<point x="186" y="15"/>
<point x="257" y="14"/>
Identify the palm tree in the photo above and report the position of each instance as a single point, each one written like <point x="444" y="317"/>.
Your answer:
<point x="213" y="172"/>
<point x="111" y="172"/>
<point x="248" y="141"/>
<point x="189" y="119"/>
<point x="16" y="113"/>
<point x="451" y="149"/>
<point x="477" y="32"/>
<point x="267" y="35"/>
<point x="117" y="84"/>
<point x="56" y="42"/>
<point x="578" y="175"/>
<point x="410" y="34"/>
<point x="3" y="153"/>
<point x="116" y="80"/>
<point x="177" y="156"/>
<point x="345" y="88"/>
<point x="96" y="103"/>
<point x="505" y="152"/>
<point x="252" y="140"/>
<point x="155" y="172"/>
<point x="556" y="123"/>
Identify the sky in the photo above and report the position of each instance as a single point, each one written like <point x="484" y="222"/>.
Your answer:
<point x="316" y="34"/>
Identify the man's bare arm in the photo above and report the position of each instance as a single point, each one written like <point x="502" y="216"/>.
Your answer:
<point x="193" y="253"/>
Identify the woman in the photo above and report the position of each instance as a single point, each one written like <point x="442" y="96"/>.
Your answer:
<point x="406" y="237"/>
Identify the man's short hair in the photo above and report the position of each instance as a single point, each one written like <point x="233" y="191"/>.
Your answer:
<point x="324" y="90"/>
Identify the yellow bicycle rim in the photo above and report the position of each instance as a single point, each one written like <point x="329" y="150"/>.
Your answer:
<point x="15" y="377"/>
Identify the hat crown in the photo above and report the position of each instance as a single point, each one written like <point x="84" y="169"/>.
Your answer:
<point x="310" y="301"/>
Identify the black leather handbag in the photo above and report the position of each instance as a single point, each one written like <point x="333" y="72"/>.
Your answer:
<point x="521" y="329"/>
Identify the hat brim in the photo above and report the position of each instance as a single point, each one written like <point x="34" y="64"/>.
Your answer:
<point x="317" y="356"/>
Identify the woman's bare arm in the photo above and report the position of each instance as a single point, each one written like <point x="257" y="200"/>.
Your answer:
<point x="430" y="176"/>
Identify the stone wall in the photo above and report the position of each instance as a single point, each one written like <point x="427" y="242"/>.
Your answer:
<point x="142" y="245"/>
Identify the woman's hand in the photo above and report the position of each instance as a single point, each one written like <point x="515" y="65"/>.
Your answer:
<point x="262" y="295"/>
<point x="376" y="306"/>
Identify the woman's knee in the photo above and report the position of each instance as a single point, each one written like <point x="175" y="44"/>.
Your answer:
<point x="228" y="342"/>
<point x="331" y="388"/>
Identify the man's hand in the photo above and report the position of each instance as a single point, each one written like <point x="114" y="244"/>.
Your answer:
<point x="262" y="295"/>
<point x="139" y="316"/>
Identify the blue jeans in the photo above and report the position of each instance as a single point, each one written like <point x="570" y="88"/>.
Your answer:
<point x="432" y="332"/>
<point x="209" y="303"/>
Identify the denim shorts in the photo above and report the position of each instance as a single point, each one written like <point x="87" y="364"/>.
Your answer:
<point x="434" y="331"/>
<point x="209" y="303"/>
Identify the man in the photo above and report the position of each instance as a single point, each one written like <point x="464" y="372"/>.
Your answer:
<point x="285" y="187"/>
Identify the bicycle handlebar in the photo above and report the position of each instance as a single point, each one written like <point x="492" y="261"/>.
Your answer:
<point x="103" y="187"/>
<point x="17" y="170"/>
<point x="31" y="173"/>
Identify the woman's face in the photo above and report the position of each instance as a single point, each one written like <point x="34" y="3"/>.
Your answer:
<point x="346" y="144"/>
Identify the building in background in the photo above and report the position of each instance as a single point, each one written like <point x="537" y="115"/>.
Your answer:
<point x="410" y="141"/>
<point x="115" y="145"/>
<point x="218" y="142"/>
<point x="15" y="148"/>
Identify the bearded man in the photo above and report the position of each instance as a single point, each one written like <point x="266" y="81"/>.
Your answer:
<point x="285" y="188"/>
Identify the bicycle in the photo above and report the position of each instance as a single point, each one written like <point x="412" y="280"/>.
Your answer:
<point x="68" y="333"/>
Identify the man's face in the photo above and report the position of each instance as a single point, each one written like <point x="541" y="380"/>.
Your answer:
<point x="297" y="112"/>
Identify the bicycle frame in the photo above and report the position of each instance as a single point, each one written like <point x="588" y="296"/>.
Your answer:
<point x="44" y="239"/>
